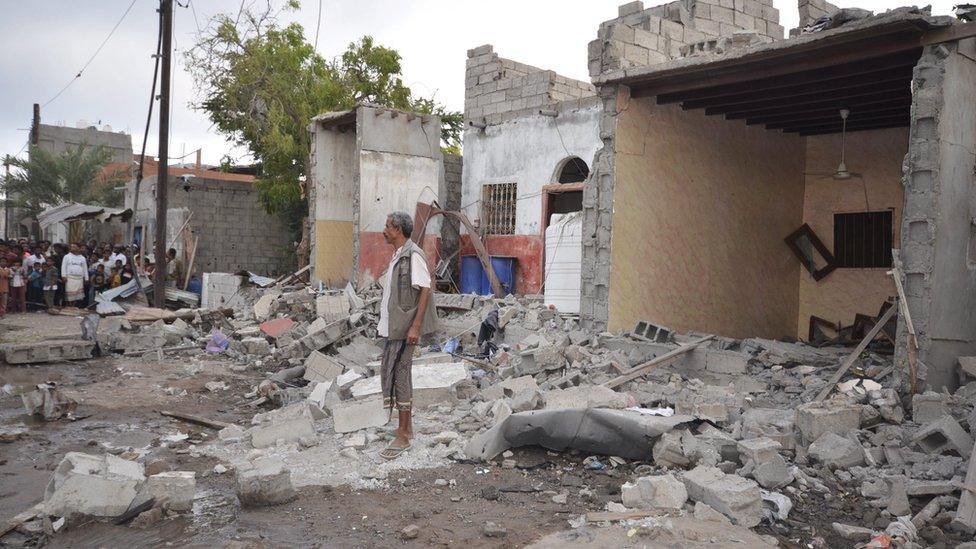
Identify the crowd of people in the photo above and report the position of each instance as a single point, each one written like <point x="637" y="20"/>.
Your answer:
<point x="41" y="275"/>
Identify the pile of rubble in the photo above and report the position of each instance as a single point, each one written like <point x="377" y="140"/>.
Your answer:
<point x="712" y="428"/>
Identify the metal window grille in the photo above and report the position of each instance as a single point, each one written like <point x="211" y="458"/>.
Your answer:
<point x="863" y="240"/>
<point x="498" y="203"/>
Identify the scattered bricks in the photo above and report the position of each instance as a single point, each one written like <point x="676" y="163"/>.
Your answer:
<point x="928" y="407"/>
<point x="652" y="332"/>
<point x="758" y="450"/>
<point x="98" y="486"/>
<point x="852" y="533"/>
<point x="663" y="491"/>
<point x="320" y="367"/>
<point x="47" y="351"/>
<point x="354" y="415"/>
<point x="816" y="418"/>
<point x="733" y="496"/>
<point x="264" y="482"/>
<point x="726" y="362"/>
<point x="836" y="452"/>
<point x="943" y="435"/>
<point x="319" y="396"/>
<point x="287" y="430"/>
<point x="173" y="489"/>
<point x="256" y="346"/>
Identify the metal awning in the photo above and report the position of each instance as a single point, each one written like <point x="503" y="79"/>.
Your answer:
<point x="74" y="212"/>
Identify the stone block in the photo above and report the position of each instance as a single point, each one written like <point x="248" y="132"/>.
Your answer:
<point x="98" y="486"/>
<point x="509" y="387"/>
<point x="47" y="351"/>
<point x="586" y="396"/>
<point x="735" y="497"/>
<point x="771" y="423"/>
<point x="928" y="407"/>
<point x="813" y="419"/>
<point x="288" y="430"/>
<point x="173" y="489"/>
<point x="353" y="415"/>
<point x="264" y="482"/>
<point x="320" y="367"/>
<point x="668" y="451"/>
<point x="836" y="452"/>
<point x="942" y="435"/>
<point x="663" y="491"/>
<point x="758" y="450"/>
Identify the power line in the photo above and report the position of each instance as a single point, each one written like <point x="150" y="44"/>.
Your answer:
<point x="318" y="24"/>
<point x="94" y="55"/>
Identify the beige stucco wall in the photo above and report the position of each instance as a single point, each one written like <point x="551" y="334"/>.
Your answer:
<point x="701" y="206"/>
<point x="877" y="156"/>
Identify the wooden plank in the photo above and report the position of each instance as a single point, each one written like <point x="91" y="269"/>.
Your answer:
<point x="849" y="361"/>
<point x="639" y="370"/>
<point x="966" y="511"/>
<point x="902" y="98"/>
<point x="906" y="315"/>
<point x="797" y="99"/>
<point x="193" y="256"/>
<point x="833" y="118"/>
<point x="824" y="131"/>
<point x="949" y="34"/>
<point x="867" y="110"/>
<point x="607" y="516"/>
<point x="900" y="120"/>
<point x="197" y="420"/>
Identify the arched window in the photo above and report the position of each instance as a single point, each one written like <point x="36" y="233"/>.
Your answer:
<point x="573" y="170"/>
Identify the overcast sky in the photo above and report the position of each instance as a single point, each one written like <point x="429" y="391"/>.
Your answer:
<point x="43" y="43"/>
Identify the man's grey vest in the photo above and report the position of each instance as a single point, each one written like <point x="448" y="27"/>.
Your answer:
<point x="404" y="298"/>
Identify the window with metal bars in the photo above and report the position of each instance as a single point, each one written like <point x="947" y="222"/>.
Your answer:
<point x="498" y="204"/>
<point x="863" y="240"/>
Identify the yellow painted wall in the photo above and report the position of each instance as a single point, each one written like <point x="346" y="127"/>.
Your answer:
<point x="333" y="251"/>
<point x="701" y="207"/>
<point x="877" y="156"/>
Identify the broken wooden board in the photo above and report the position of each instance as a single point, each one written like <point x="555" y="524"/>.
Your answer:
<point x="639" y="370"/>
<point x="849" y="361"/>
<point x="197" y="420"/>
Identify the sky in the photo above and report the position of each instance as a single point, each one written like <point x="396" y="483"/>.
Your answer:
<point x="43" y="44"/>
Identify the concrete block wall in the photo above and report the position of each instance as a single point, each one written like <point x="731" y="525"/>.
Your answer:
<point x="451" y="228"/>
<point x="811" y="10"/>
<point x="640" y="37"/>
<point x="497" y="90"/>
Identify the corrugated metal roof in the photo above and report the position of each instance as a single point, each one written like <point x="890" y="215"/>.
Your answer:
<point x="74" y="211"/>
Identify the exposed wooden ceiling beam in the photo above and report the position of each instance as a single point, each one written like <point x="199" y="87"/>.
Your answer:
<point x="887" y="99"/>
<point x="895" y="88"/>
<point x="835" y="119"/>
<point x="849" y="130"/>
<point x="901" y="75"/>
<point x="882" y="122"/>
<point x="861" y="113"/>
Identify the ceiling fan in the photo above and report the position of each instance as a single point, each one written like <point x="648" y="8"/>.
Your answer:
<point x="841" y="173"/>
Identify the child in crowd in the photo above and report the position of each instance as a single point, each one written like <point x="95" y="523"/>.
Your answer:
<point x="50" y="283"/>
<point x="18" y="287"/>
<point x="115" y="280"/>
<point x="35" y="287"/>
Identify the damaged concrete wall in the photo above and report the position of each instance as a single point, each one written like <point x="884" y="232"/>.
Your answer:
<point x="876" y="157"/>
<point x="811" y="10"/>
<point x="528" y="151"/>
<point x="450" y="228"/>
<point x="335" y="184"/>
<point x="700" y="209"/>
<point x="939" y="228"/>
<point x="373" y="163"/>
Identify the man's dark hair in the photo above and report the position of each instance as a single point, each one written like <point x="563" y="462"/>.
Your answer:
<point x="171" y="251"/>
<point x="402" y="221"/>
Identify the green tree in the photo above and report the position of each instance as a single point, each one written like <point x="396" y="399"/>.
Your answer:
<point x="261" y="83"/>
<point x="79" y="174"/>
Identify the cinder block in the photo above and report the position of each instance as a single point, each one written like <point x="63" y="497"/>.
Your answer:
<point x="734" y="496"/>
<point x="943" y="435"/>
<point x="928" y="407"/>
<point x="813" y="419"/>
<point x="630" y="8"/>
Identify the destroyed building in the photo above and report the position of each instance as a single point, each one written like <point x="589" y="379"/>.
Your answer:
<point x="716" y="149"/>
<point x="367" y="162"/>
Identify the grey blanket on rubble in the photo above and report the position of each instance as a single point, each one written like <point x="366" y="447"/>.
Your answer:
<point x="623" y="433"/>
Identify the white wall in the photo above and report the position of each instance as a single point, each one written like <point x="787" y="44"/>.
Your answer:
<point x="334" y="174"/>
<point x="395" y="182"/>
<point x="526" y="151"/>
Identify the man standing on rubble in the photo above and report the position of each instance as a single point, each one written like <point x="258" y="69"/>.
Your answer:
<point x="406" y="314"/>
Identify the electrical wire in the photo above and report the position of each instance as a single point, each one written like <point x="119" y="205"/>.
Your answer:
<point x="94" y="55"/>
<point x="152" y="99"/>
<point x="318" y="24"/>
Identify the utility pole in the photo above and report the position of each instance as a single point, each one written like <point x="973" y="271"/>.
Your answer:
<point x="6" y="198"/>
<point x="162" y="178"/>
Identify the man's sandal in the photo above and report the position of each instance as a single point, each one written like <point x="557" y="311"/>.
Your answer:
<point x="393" y="452"/>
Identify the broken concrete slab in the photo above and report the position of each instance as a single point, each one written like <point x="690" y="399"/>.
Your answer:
<point x="174" y="490"/>
<point x="332" y="307"/>
<point x="705" y="512"/>
<point x="726" y="362"/>
<point x="586" y="396"/>
<point x="47" y="351"/>
<point x="773" y="474"/>
<point x="758" y="450"/>
<point x="320" y="367"/>
<point x="967" y="364"/>
<point x="286" y="427"/>
<point x="319" y="397"/>
<point x="262" y="307"/>
<point x="771" y="423"/>
<point x="735" y="497"/>
<point x="265" y="481"/>
<point x="98" y="486"/>
<point x="669" y="452"/>
<point x="256" y="346"/>
<point x="509" y="387"/>
<point x="813" y="419"/>
<point x="664" y="491"/>
<point x="714" y="403"/>
<point x="432" y="383"/>
<point x="546" y="357"/>
<point x="836" y="451"/>
<point x="943" y="435"/>
<point x="353" y="415"/>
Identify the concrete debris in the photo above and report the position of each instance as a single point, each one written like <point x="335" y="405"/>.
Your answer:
<point x="592" y="396"/>
<point x="813" y="419"/>
<point x="320" y="367"/>
<point x="852" y="533"/>
<point x="265" y="481"/>
<point x="944" y="435"/>
<point x="663" y="491"/>
<point x="836" y="452"/>
<point x="353" y="415"/>
<point x="733" y="496"/>
<point x="98" y="486"/>
<point x="48" y="402"/>
<point x="928" y="407"/>
<point x="174" y="490"/>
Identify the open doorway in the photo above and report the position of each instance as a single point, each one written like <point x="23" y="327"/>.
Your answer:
<point x="565" y="195"/>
